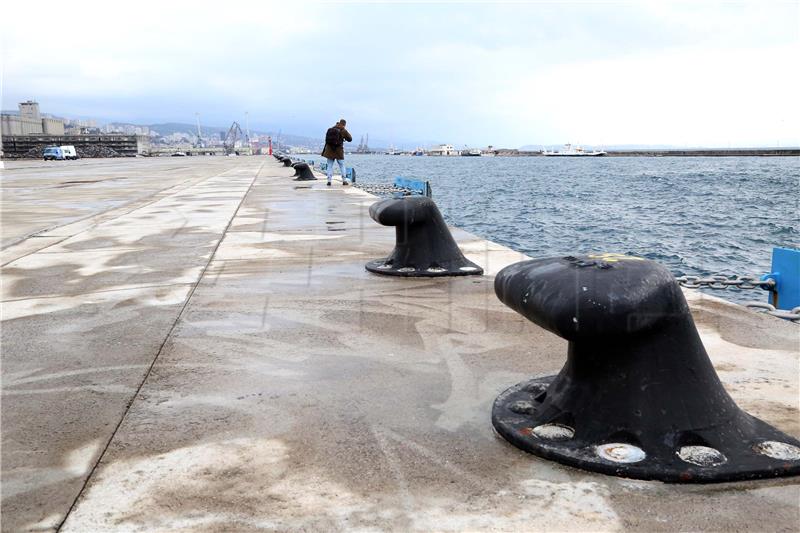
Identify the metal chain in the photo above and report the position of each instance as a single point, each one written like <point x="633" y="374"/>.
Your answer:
<point x="381" y="189"/>
<point x="725" y="282"/>
<point x="690" y="282"/>
<point x="763" y="307"/>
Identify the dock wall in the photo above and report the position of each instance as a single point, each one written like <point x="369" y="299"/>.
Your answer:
<point x="195" y="344"/>
<point x="31" y="146"/>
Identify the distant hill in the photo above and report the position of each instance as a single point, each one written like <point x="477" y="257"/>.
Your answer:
<point x="169" y="128"/>
<point x="177" y="127"/>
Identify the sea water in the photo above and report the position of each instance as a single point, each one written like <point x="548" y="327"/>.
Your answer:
<point x="696" y="215"/>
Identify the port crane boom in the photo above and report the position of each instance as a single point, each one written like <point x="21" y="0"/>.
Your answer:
<point x="234" y="134"/>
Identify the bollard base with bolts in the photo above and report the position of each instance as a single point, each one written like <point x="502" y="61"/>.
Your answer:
<point x="764" y="452"/>
<point x="638" y="396"/>
<point x="424" y="246"/>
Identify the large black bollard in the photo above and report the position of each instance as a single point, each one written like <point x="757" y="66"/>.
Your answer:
<point x="303" y="172"/>
<point x="424" y="246"/>
<point x="287" y="162"/>
<point x="638" y="396"/>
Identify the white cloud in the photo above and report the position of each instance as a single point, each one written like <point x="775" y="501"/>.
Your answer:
<point x="91" y="47"/>
<point x="508" y="74"/>
<point x="684" y="96"/>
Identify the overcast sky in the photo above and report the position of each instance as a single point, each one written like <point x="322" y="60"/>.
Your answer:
<point x="512" y="74"/>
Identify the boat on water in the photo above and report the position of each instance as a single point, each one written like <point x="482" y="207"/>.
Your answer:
<point x="471" y="152"/>
<point x="574" y="151"/>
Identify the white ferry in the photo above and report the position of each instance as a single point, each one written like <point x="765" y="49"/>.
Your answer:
<point x="574" y="151"/>
<point x="393" y="151"/>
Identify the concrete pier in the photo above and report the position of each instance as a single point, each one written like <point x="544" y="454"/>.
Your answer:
<point x="195" y="344"/>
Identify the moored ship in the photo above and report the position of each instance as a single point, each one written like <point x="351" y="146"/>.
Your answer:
<point x="470" y="152"/>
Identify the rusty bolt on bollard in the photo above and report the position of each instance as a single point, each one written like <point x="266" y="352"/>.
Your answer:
<point x="424" y="246"/>
<point x="638" y="396"/>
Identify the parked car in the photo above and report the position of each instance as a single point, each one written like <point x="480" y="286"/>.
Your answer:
<point x="53" y="153"/>
<point x="59" y="153"/>
<point x="178" y="154"/>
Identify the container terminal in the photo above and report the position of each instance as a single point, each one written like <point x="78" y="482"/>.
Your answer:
<point x="196" y="344"/>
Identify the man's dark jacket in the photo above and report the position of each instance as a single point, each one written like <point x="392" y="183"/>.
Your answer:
<point x="337" y="152"/>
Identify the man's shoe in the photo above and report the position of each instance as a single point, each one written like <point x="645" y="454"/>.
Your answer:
<point x="345" y="182"/>
<point x="329" y="184"/>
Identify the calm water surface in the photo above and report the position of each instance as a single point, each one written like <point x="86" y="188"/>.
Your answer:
<point x="696" y="215"/>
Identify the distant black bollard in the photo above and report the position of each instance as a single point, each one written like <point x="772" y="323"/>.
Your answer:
<point x="286" y="162"/>
<point x="303" y="172"/>
<point x="424" y="246"/>
<point x="638" y="396"/>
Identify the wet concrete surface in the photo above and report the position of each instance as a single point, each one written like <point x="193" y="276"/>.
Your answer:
<point x="86" y="308"/>
<point x="295" y="390"/>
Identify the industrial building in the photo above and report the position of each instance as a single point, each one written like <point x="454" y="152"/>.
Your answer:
<point x="443" y="149"/>
<point x="27" y="134"/>
<point x="30" y="122"/>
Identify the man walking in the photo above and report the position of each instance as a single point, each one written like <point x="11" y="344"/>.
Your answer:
<point x="334" y="148"/>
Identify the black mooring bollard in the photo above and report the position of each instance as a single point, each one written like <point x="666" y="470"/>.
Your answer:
<point x="303" y="172"/>
<point x="287" y="162"/>
<point x="638" y="396"/>
<point x="424" y="246"/>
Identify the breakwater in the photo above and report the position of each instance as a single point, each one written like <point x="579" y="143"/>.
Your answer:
<point x="748" y="152"/>
<point x="687" y="152"/>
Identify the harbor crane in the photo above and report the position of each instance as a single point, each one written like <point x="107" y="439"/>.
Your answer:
<point x="363" y="146"/>
<point x="199" y="143"/>
<point x="234" y="135"/>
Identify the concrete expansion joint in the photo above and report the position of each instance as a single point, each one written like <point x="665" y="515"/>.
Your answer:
<point x="160" y="350"/>
<point x="223" y="359"/>
<point x="41" y="232"/>
<point x="153" y="198"/>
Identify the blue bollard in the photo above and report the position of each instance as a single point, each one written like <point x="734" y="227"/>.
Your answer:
<point x="786" y="274"/>
<point x="422" y="188"/>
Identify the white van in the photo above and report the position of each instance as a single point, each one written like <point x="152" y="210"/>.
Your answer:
<point x="69" y="152"/>
<point x="52" y="153"/>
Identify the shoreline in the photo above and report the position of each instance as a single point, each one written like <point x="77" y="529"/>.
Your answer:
<point x="688" y="152"/>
